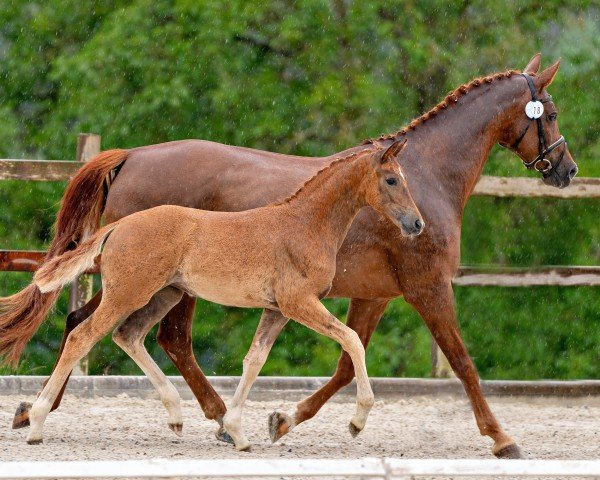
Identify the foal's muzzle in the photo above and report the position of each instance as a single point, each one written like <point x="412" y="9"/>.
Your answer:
<point x="411" y="225"/>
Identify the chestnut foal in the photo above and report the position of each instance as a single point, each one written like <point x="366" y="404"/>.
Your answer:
<point x="281" y="257"/>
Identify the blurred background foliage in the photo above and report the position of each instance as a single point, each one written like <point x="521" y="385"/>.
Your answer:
<point x="311" y="77"/>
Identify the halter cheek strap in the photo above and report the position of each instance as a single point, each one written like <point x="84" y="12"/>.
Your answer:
<point x="539" y="163"/>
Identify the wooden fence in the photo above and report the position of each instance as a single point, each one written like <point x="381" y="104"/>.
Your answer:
<point x="88" y="145"/>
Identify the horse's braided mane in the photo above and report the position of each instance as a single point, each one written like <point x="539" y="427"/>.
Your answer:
<point x="450" y="99"/>
<point x="329" y="166"/>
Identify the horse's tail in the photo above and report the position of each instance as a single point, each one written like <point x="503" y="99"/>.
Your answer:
<point x="83" y="202"/>
<point x="22" y="314"/>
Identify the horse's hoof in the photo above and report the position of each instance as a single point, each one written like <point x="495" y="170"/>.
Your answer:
<point x="21" y="418"/>
<point x="177" y="428"/>
<point x="223" y="436"/>
<point x="512" y="451"/>
<point x="35" y="441"/>
<point x="354" y="430"/>
<point x="279" y="425"/>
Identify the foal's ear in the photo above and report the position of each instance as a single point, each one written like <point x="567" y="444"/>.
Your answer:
<point x="534" y="64"/>
<point x="545" y="78"/>
<point x="393" y="151"/>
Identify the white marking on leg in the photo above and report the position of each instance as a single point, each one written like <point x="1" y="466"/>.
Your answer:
<point x="268" y="329"/>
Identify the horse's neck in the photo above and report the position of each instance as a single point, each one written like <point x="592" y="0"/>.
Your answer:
<point x="446" y="154"/>
<point x="329" y="202"/>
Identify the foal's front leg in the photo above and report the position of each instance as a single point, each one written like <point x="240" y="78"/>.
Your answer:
<point x="314" y="315"/>
<point x="363" y="318"/>
<point x="268" y="330"/>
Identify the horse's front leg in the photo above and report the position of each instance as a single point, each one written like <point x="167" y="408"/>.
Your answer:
<point x="268" y="330"/>
<point x="363" y="318"/>
<point x="175" y="338"/>
<point x="435" y="302"/>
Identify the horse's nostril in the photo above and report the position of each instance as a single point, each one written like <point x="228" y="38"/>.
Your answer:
<point x="418" y="224"/>
<point x="573" y="172"/>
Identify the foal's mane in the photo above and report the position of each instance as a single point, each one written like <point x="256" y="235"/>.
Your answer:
<point x="329" y="166"/>
<point x="450" y="99"/>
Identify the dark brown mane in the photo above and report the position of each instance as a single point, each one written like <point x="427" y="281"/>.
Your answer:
<point x="329" y="166"/>
<point x="450" y="99"/>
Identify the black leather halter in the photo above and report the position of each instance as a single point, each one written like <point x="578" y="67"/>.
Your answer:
<point x="540" y="163"/>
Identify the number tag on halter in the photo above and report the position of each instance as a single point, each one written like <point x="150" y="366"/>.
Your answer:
<point x="534" y="109"/>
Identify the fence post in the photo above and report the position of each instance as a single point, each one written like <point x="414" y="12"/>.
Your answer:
<point x="440" y="367"/>
<point x="88" y="145"/>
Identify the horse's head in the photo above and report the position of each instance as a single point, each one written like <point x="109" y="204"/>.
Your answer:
<point x="389" y="193"/>
<point x="533" y="132"/>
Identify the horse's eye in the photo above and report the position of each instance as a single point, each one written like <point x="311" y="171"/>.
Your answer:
<point x="552" y="117"/>
<point x="391" y="181"/>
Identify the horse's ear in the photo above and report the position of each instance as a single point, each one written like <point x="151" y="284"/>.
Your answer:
<point x="534" y="64"/>
<point x="393" y="151"/>
<point x="545" y="78"/>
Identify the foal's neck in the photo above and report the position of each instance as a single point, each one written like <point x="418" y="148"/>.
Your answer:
<point x="330" y="200"/>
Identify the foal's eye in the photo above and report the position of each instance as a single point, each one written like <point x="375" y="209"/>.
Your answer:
<point x="391" y="181"/>
<point x="552" y="117"/>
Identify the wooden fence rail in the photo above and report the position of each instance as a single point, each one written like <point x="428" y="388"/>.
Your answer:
<point x="88" y="145"/>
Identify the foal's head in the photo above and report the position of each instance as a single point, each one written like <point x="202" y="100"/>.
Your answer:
<point x="533" y="130"/>
<point x="388" y="191"/>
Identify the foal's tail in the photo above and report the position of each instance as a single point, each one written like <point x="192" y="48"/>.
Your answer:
<point x="22" y="314"/>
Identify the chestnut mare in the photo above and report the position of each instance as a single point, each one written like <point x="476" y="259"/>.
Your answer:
<point x="280" y="257"/>
<point x="448" y="148"/>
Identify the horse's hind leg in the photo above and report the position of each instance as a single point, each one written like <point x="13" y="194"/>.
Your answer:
<point x="268" y="329"/>
<point x="21" y="418"/>
<point x="77" y="345"/>
<point x="175" y="338"/>
<point x="130" y="335"/>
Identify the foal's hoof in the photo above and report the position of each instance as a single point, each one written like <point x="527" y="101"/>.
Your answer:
<point x="21" y="418"/>
<point x="246" y="447"/>
<point x="223" y="436"/>
<point x="512" y="451"/>
<point x="35" y="441"/>
<point x="354" y="430"/>
<point x="279" y="425"/>
<point x="177" y="428"/>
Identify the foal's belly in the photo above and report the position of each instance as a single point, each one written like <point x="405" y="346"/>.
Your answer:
<point x="233" y="292"/>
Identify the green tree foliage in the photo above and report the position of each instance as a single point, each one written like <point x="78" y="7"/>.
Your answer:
<point x="312" y="77"/>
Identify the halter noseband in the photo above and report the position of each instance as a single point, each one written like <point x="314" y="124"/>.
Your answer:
<point x="539" y="163"/>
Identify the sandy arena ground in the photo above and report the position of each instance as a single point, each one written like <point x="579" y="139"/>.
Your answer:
<point x="411" y="427"/>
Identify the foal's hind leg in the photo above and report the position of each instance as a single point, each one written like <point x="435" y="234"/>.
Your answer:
<point x="77" y="345"/>
<point x="130" y="337"/>
<point x="268" y="329"/>
<point x="175" y="338"/>
<point x="21" y="418"/>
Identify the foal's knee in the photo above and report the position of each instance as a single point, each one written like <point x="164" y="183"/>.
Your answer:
<point x="124" y="337"/>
